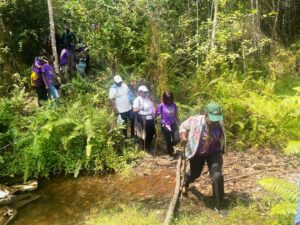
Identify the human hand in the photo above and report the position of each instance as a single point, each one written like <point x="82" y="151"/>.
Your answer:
<point x="183" y="138"/>
<point x="58" y="79"/>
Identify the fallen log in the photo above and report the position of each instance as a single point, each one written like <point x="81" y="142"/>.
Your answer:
<point x="174" y="200"/>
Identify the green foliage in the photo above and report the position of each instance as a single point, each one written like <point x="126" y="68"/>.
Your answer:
<point x="281" y="188"/>
<point x="254" y="115"/>
<point x="293" y="147"/>
<point x="133" y="215"/>
<point x="68" y="138"/>
<point x="284" y="209"/>
<point x="285" y="198"/>
<point x="115" y="31"/>
<point x="137" y="214"/>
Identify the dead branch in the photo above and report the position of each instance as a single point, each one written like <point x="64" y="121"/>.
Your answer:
<point x="173" y="203"/>
<point x="250" y="174"/>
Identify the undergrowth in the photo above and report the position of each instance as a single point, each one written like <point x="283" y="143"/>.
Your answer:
<point x="254" y="115"/>
<point x="138" y="214"/>
<point x="79" y="134"/>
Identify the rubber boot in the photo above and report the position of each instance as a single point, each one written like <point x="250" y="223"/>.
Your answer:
<point x="185" y="185"/>
<point x="221" y="188"/>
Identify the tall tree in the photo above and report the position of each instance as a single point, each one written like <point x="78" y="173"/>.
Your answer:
<point x="215" y="22"/>
<point x="52" y="33"/>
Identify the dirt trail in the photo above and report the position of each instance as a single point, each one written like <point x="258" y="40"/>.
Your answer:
<point x="241" y="172"/>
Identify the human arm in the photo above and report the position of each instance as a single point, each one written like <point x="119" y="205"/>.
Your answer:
<point x="154" y="110"/>
<point x="177" y="115"/>
<point x="136" y="106"/>
<point x="223" y="138"/>
<point x="184" y="129"/>
<point x="158" y="111"/>
<point x="112" y="98"/>
<point x="38" y="64"/>
<point x="44" y="80"/>
<point x="113" y="103"/>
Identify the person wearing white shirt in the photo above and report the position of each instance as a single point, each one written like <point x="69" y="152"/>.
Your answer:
<point x="120" y="97"/>
<point x="145" y="126"/>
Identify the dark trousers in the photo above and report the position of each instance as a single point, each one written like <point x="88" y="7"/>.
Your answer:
<point x="150" y="132"/>
<point x="42" y="94"/>
<point x="214" y="162"/>
<point x="128" y="116"/>
<point x="171" y="137"/>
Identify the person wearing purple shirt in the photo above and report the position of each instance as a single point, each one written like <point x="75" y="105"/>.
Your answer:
<point x="205" y="143"/>
<point x="169" y="119"/>
<point x="39" y="83"/>
<point x="47" y="71"/>
<point x="65" y="63"/>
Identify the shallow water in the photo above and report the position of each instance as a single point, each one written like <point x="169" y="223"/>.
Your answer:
<point x="68" y="200"/>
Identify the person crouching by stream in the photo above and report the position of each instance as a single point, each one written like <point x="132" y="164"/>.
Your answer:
<point x="145" y="114"/>
<point x="169" y="120"/>
<point x="48" y="74"/>
<point x="205" y="143"/>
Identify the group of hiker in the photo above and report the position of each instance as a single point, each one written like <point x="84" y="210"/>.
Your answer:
<point x="47" y="81"/>
<point x="140" y="111"/>
<point x="44" y="79"/>
<point x="202" y="135"/>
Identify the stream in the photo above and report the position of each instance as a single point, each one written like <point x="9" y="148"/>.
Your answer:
<point x="67" y="200"/>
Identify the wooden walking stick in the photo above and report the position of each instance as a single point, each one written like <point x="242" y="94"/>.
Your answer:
<point x="184" y="163"/>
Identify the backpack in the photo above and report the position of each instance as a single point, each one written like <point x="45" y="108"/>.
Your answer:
<point x="33" y="78"/>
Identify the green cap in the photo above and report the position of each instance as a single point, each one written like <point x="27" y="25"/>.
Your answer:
<point x="214" y="112"/>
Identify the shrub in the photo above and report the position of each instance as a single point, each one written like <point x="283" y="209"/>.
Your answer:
<point x="68" y="138"/>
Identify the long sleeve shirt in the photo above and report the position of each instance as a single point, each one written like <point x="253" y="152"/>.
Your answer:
<point x="194" y="127"/>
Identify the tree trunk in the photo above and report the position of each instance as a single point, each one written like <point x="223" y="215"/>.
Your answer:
<point x="197" y="2"/>
<point x="252" y="15"/>
<point x="52" y="33"/>
<point x="2" y="29"/>
<point x="257" y="16"/>
<point x="274" y="32"/>
<point x="215" y="22"/>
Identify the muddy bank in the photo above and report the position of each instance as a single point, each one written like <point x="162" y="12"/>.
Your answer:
<point x="66" y="200"/>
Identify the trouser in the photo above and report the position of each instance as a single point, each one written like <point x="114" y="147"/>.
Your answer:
<point x="42" y="94"/>
<point x="150" y="132"/>
<point x="53" y="92"/>
<point x="171" y="137"/>
<point x="128" y="116"/>
<point x="65" y="71"/>
<point x="145" y="130"/>
<point x="214" y="162"/>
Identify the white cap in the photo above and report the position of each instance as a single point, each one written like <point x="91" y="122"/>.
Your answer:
<point x="118" y="79"/>
<point x="143" y="88"/>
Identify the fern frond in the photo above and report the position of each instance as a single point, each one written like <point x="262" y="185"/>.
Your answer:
<point x="285" y="190"/>
<point x="297" y="89"/>
<point x="284" y="209"/>
<point x="293" y="147"/>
